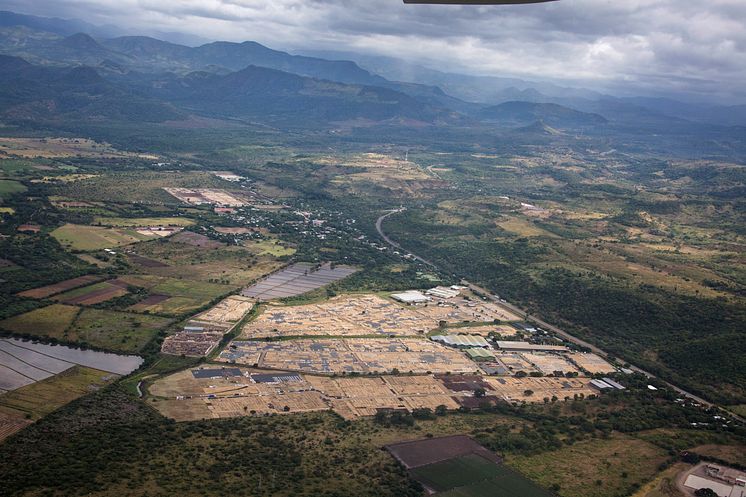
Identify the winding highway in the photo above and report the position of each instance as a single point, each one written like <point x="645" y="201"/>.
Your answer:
<point x="528" y="317"/>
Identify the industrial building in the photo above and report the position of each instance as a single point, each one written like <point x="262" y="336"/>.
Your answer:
<point x="461" y="341"/>
<point x="443" y="292"/>
<point x="526" y="346"/>
<point x="411" y="297"/>
<point x="479" y="354"/>
<point x="276" y="378"/>
<point x="722" y="489"/>
<point x="216" y="373"/>
<point x="613" y="383"/>
<point x="601" y="385"/>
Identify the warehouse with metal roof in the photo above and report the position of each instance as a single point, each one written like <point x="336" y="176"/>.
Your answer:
<point x="508" y="345"/>
<point x="461" y="340"/>
<point x="479" y="354"/>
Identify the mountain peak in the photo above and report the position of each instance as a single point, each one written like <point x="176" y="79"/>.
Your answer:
<point x="80" y="41"/>
<point x="82" y="75"/>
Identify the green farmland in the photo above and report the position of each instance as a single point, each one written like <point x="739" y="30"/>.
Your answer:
<point x="475" y="476"/>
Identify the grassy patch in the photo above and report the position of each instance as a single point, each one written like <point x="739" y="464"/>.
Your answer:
<point x="87" y="238"/>
<point x="51" y="321"/>
<point x="522" y="227"/>
<point x="269" y="247"/>
<point x="117" y="331"/>
<point x="9" y="187"/>
<point x="228" y="264"/>
<point x="611" y="467"/>
<point x="739" y="409"/>
<point x="733" y="454"/>
<point x="92" y="294"/>
<point x="184" y="295"/>
<point x="663" y="485"/>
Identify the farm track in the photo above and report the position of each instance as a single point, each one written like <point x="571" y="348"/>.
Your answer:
<point x="535" y="319"/>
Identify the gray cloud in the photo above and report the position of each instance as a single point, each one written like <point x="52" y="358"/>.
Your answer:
<point x="693" y="47"/>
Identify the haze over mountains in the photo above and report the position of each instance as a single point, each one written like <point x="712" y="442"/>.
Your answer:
<point x="137" y="77"/>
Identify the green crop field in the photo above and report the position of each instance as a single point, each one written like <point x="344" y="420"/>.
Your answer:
<point x="269" y="247"/>
<point x="86" y="238"/>
<point x="456" y="472"/>
<point x="508" y="484"/>
<point x="40" y="398"/>
<point x="50" y="321"/>
<point x="475" y="476"/>
<point x="191" y="289"/>
<point x="111" y="330"/>
<point x="8" y="187"/>
<point x="184" y="295"/>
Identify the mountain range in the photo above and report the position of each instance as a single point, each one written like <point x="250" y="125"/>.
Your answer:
<point x="70" y="68"/>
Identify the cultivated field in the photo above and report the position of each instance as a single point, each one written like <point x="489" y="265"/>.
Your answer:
<point x="117" y="331"/>
<point x="23" y="363"/>
<point x="180" y="295"/>
<point x="120" y="222"/>
<point x="200" y="258"/>
<point x="42" y="397"/>
<point x="8" y="187"/>
<point x="457" y="466"/>
<point x="51" y="321"/>
<point x="46" y="291"/>
<point x="199" y="196"/>
<point x="10" y="424"/>
<point x="106" y="329"/>
<point x="93" y="294"/>
<point x="87" y="238"/>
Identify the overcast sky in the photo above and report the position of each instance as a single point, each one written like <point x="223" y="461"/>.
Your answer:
<point x="693" y="46"/>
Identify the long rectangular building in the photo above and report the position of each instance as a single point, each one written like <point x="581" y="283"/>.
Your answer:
<point x="462" y="340"/>
<point x="508" y="345"/>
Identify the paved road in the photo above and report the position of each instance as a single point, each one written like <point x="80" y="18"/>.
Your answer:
<point x="379" y="223"/>
<point x="528" y="317"/>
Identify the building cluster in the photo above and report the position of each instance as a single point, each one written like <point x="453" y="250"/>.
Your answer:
<point x="413" y="297"/>
<point x="725" y="482"/>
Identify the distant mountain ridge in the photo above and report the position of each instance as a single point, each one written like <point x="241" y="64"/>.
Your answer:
<point x="525" y="113"/>
<point x="35" y="93"/>
<point x="43" y="93"/>
<point x="138" y="61"/>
